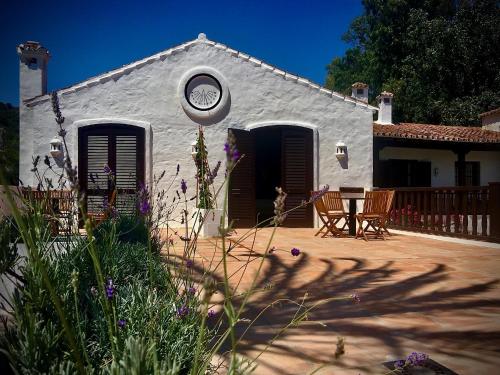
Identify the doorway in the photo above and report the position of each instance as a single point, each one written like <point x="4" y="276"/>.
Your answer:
<point x="274" y="156"/>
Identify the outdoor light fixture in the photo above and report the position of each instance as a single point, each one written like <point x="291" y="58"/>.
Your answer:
<point x="55" y="148"/>
<point x="436" y="171"/>
<point x="194" y="149"/>
<point x="341" y="150"/>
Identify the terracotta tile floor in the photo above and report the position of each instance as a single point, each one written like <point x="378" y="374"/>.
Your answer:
<point x="417" y="294"/>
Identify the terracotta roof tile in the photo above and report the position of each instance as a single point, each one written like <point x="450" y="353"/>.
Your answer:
<point x="436" y="133"/>
<point x="493" y="111"/>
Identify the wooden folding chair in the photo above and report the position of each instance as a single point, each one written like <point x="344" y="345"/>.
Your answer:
<point x="335" y="207"/>
<point x="374" y="208"/>
<point x="65" y="210"/>
<point x="390" y="200"/>
<point x="327" y="219"/>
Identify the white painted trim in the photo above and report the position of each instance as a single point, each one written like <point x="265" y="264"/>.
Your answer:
<point x="315" y="130"/>
<point x="196" y="114"/>
<point x="263" y="124"/>
<point x="116" y="120"/>
<point x="462" y="241"/>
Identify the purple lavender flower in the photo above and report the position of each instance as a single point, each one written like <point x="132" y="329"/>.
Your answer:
<point x="355" y="298"/>
<point x="110" y="289"/>
<point x="144" y="207"/>
<point x="182" y="311"/>
<point x="121" y="323"/>
<point x="295" y="252"/>
<point x="318" y="194"/>
<point x="230" y="149"/>
<point x="107" y="169"/>
<point x="236" y="154"/>
<point x="189" y="263"/>
<point x="212" y="174"/>
<point x="105" y="203"/>
<point x="211" y="314"/>
<point x="416" y="359"/>
<point x="399" y="364"/>
<point x="113" y="212"/>
<point x="183" y="186"/>
<point x="191" y="290"/>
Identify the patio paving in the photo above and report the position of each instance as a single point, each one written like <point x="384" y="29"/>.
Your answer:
<point x="417" y="294"/>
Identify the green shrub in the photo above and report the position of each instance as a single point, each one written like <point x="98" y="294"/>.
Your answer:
<point x="154" y="328"/>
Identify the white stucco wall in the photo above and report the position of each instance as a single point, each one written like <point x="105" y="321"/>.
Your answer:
<point x="491" y="122"/>
<point x="260" y="95"/>
<point x="444" y="161"/>
<point x="489" y="167"/>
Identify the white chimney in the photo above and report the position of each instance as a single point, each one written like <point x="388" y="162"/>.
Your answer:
<point x="360" y="91"/>
<point x="385" y="108"/>
<point x="33" y="59"/>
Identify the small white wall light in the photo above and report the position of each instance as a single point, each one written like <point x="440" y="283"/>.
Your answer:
<point x="341" y="150"/>
<point x="194" y="150"/>
<point x="55" y="147"/>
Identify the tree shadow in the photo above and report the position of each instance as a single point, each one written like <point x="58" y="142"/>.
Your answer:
<point x="382" y="296"/>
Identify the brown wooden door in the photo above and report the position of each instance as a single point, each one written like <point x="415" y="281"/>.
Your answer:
<point x="297" y="174"/>
<point x="241" y="205"/>
<point x="121" y="148"/>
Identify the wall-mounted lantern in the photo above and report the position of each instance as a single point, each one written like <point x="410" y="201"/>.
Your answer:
<point x="341" y="150"/>
<point x="194" y="149"/>
<point x="55" y="148"/>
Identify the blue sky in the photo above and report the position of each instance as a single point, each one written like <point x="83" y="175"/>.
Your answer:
<point x="86" y="38"/>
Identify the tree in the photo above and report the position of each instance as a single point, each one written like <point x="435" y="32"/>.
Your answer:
<point x="439" y="57"/>
<point x="9" y="142"/>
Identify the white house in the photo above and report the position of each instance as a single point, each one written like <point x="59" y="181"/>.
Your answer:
<point x="425" y="155"/>
<point x="142" y="118"/>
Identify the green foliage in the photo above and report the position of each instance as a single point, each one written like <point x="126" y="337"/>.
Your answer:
<point x="439" y="57"/>
<point x="9" y="142"/>
<point x="205" y="198"/>
<point x="129" y="229"/>
<point x="154" y="339"/>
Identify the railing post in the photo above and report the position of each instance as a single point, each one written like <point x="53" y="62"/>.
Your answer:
<point x="494" y="209"/>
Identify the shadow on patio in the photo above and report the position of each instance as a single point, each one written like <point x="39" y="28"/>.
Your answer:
<point x="410" y="303"/>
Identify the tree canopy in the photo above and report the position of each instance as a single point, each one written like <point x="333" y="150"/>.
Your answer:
<point x="9" y="142"/>
<point x="440" y="58"/>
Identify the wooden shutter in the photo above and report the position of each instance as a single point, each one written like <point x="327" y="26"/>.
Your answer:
<point x="241" y="208"/>
<point x="297" y="174"/>
<point x="96" y="182"/>
<point x="121" y="147"/>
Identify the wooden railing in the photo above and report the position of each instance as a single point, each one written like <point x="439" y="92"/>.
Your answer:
<point x="471" y="212"/>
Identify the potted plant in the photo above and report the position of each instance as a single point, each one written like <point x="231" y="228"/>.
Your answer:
<point x="208" y="216"/>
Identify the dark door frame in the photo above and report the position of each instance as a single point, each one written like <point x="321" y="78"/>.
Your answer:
<point x="112" y="130"/>
<point x="310" y="168"/>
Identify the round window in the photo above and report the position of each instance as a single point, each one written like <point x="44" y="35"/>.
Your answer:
<point x="203" y="92"/>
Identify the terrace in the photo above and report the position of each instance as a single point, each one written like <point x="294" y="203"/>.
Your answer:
<point x="417" y="294"/>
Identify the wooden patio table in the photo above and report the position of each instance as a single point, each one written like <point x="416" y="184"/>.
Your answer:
<point x="353" y="194"/>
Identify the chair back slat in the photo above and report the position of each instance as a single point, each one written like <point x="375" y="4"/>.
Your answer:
<point x="390" y="199"/>
<point x="333" y="201"/>
<point x="319" y="204"/>
<point x="375" y="203"/>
